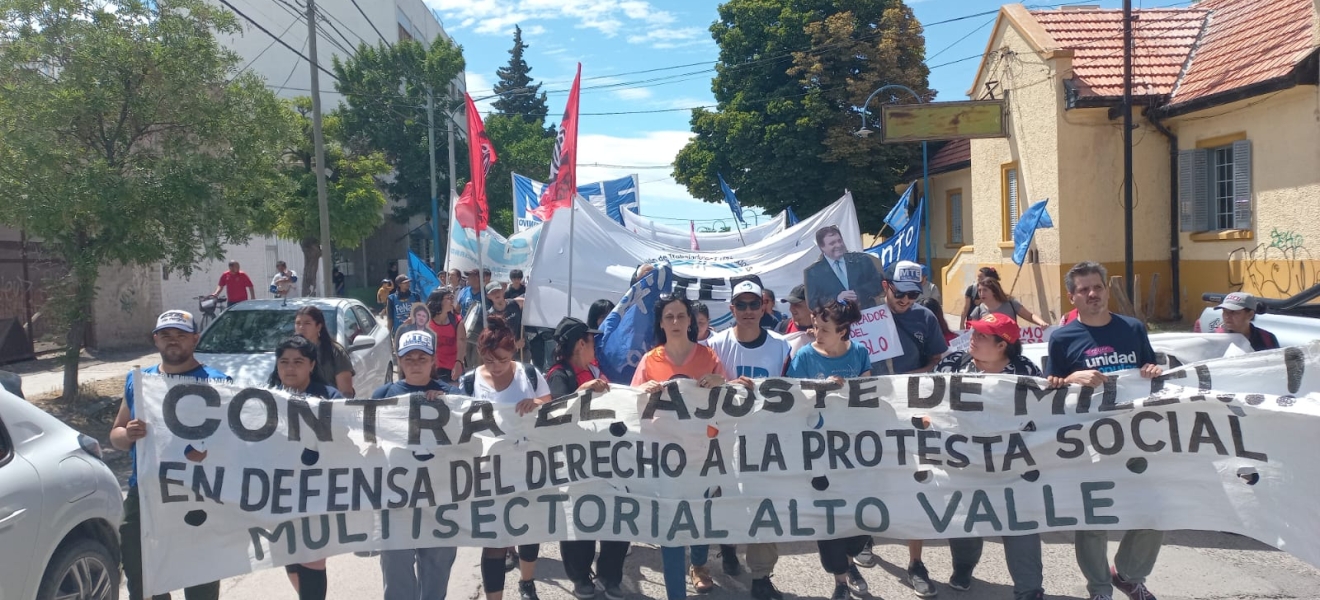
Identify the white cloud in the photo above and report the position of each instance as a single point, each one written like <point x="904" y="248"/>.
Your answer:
<point x="665" y="197"/>
<point x="633" y="94"/>
<point x="533" y="30"/>
<point x="609" y="17"/>
<point x="479" y="86"/>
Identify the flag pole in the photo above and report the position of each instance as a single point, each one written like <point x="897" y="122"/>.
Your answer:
<point x="737" y="223"/>
<point x="572" y="211"/>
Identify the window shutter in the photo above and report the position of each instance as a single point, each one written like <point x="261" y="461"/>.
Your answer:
<point x="1194" y="190"/>
<point x="955" y="219"/>
<point x="1242" y="184"/>
<point x="1186" y="191"/>
<point x="1012" y="201"/>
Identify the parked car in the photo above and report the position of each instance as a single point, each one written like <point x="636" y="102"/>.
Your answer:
<point x="241" y="342"/>
<point x="60" y="509"/>
<point x="1295" y="321"/>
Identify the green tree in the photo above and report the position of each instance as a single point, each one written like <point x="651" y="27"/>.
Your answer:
<point x="788" y="83"/>
<point x="518" y="95"/>
<point x="127" y="136"/>
<point x="385" y="91"/>
<point x="356" y="203"/>
<point x="517" y="128"/>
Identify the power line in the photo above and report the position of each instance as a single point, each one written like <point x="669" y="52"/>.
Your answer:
<point x="276" y="38"/>
<point x="264" y="50"/>
<point x="373" y="25"/>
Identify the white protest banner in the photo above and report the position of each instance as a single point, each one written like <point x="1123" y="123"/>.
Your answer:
<point x="501" y="254"/>
<point x="682" y="239"/>
<point x="605" y="255"/>
<point x="878" y="333"/>
<point x="235" y="479"/>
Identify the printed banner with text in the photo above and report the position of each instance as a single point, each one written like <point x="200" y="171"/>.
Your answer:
<point x="235" y="479"/>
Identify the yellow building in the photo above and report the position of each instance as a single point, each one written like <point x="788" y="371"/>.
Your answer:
<point x="1226" y="154"/>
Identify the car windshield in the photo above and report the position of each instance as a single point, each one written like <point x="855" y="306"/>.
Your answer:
<point x="253" y="331"/>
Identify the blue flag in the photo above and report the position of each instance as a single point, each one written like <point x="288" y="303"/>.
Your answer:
<point x="898" y="215"/>
<point x="732" y="200"/>
<point x="1035" y="218"/>
<point x="792" y="217"/>
<point x="423" y="278"/>
<point x="626" y="334"/>
<point x="903" y="245"/>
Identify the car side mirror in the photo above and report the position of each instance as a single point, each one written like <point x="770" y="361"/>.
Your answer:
<point x="361" y="342"/>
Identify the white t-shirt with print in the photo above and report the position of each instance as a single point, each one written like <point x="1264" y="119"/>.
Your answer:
<point x="766" y="356"/>
<point x="520" y="389"/>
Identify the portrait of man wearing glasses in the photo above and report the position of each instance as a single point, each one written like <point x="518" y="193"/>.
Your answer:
<point x="841" y="275"/>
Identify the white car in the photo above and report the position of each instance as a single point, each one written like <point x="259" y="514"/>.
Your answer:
<point x="241" y="342"/>
<point x="60" y="509"/>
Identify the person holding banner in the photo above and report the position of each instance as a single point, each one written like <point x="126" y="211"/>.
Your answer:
<point x="677" y="355"/>
<point x="1085" y="352"/>
<point x="296" y="371"/>
<point x="996" y="347"/>
<point x="175" y="338"/>
<point x="575" y="371"/>
<point x="449" y="334"/>
<point x="501" y="380"/>
<point x="1238" y="310"/>
<point x="923" y="344"/>
<point x="749" y="351"/>
<point x="421" y="572"/>
<point x="834" y="357"/>
<point x="335" y="366"/>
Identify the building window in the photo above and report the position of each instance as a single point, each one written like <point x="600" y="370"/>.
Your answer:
<point x="1012" y="208"/>
<point x="1214" y="185"/>
<point x="403" y="33"/>
<point x="955" y="217"/>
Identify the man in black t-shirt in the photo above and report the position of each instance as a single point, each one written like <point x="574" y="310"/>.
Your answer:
<point x="1085" y="352"/>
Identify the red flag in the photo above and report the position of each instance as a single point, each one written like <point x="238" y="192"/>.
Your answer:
<point x="693" y="226"/>
<point x="563" y="165"/>
<point x="471" y="210"/>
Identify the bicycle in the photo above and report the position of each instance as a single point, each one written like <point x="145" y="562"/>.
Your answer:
<point x="206" y="306"/>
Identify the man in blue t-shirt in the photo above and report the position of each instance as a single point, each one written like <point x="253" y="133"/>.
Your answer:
<point x="400" y="303"/>
<point x="421" y="572"/>
<point x="175" y="337"/>
<point x="1085" y="352"/>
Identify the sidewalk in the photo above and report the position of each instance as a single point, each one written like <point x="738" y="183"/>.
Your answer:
<point x="46" y="375"/>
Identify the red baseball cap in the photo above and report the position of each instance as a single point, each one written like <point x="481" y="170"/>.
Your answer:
<point x="997" y="325"/>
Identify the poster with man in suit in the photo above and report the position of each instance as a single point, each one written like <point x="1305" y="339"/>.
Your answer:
<point x="842" y="275"/>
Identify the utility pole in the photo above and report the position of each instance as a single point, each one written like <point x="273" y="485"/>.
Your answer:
<point x="322" y="202"/>
<point x="449" y="115"/>
<point x="435" y="200"/>
<point x="1128" y="276"/>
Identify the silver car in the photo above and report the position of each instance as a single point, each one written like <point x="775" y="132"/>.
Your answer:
<point x="241" y="342"/>
<point x="60" y="509"/>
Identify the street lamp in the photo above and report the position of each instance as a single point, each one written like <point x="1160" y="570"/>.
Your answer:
<point x="925" y="157"/>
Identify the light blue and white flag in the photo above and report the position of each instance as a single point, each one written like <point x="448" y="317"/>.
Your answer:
<point x="612" y="196"/>
<point x="423" y="277"/>
<point x="1035" y="218"/>
<point x="626" y="334"/>
<point x="898" y="215"/>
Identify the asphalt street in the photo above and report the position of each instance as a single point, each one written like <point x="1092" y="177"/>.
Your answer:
<point x="1192" y="565"/>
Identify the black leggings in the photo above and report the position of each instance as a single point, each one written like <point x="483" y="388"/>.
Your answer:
<point x="312" y="583"/>
<point x="492" y="565"/>
<point x="836" y="555"/>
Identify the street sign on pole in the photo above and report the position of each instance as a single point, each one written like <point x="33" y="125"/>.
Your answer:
<point x="942" y="121"/>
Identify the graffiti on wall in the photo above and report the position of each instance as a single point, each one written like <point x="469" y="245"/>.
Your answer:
<point x="1275" y="268"/>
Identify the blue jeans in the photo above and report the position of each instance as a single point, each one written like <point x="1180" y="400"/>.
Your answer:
<point x="674" y="559"/>
<point x="421" y="574"/>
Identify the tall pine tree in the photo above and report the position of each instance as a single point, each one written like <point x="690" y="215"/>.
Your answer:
<point x="518" y="95"/>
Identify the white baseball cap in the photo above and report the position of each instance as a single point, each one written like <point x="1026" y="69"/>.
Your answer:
<point x="416" y="340"/>
<point x="176" y="319"/>
<point x="905" y="276"/>
<point x="746" y="287"/>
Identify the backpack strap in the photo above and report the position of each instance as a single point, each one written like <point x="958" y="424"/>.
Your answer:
<point x="529" y="371"/>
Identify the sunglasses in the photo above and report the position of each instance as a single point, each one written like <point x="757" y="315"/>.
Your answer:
<point x="908" y="295"/>
<point x="753" y="305"/>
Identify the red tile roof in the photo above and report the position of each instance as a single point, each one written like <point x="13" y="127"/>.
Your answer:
<point x="951" y="155"/>
<point x="1162" y="41"/>
<point x="1247" y="42"/>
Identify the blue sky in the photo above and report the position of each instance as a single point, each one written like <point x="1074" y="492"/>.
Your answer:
<point x="614" y="39"/>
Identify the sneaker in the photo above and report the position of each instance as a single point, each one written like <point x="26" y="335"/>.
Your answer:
<point x="919" y="579"/>
<point x="510" y="560"/>
<point x="729" y="554"/>
<point x="613" y="591"/>
<point x="762" y="589"/>
<point x="701" y="580"/>
<point x="1134" y="591"/>
<point x="527" y="590"/>
<point x="865" y="558"/>
<point x="1102" y="597"/>
<point x="584" y="590"/>
<point x="840" y="592"/>
<point x="856" y="583"/>
<point x="961" y="580"/>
